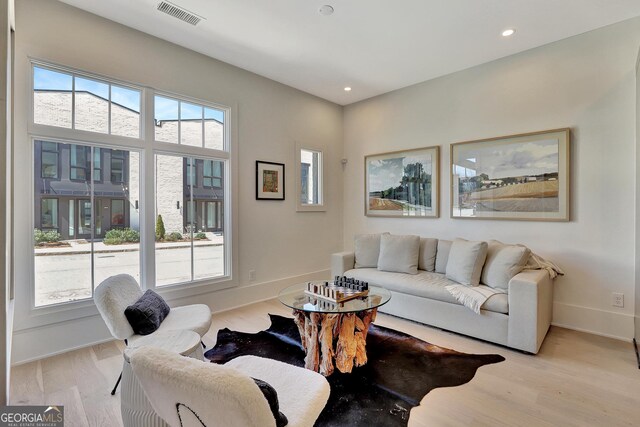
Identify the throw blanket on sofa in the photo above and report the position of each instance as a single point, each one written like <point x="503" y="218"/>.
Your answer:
<point x="474" y="297"/>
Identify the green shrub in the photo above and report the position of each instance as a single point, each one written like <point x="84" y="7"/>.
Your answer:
<point x="201" y="236"/>
<point x="117" y="236"/>
<point x="160" y="232"/>
<point x="48" y="236"/>
<point x="173" y="237"/>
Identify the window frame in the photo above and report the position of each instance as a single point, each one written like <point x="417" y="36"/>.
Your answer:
<point x="304" y="207"/>
<point x="58" y="166"/>
<point x="147" y="147"/>
<point x="84" y="155"/>
<point x="84" y="75"/>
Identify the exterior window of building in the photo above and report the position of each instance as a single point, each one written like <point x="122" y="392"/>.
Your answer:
<point x="90" y="191"/>
<point x="117" y="167"/>
<point x="68" y="100"/>
<point x="97" y="164"/>
<point x="50" y="160"/>
<point x="212" y="174"/>
<point x="76" y="209"/>
<point x="188" y="123"/>
<point x="49" y="213"/>
<point x="78" y="163"/>
<point x="188" y="213"/>
<point x="117" y="213"/>
<point x="192" y="176"/>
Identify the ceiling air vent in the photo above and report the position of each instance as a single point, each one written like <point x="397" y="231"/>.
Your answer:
<point x="178" y="12"/>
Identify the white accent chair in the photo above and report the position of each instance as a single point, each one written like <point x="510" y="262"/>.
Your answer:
<point x="116" y="293"/>
<point x="187" y="392"/>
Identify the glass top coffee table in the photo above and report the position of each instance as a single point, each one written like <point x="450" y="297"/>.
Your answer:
<point x="333" y="335"/>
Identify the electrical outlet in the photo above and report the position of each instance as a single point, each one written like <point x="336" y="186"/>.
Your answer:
<point x="252" y="275"/>
<point x="617" y="299"/>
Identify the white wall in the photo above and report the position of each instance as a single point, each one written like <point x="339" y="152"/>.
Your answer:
<point x="280" y="244"/>
<point x="587" y="83"/>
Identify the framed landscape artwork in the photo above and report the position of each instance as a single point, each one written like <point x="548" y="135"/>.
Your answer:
<point x="402" y="183"/>
<point x="269" y="181"/>
<point x="520" y="177"/>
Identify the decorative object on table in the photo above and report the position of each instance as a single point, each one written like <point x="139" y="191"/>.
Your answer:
<point x="340" y="290"/>
<point x="403" y="183"/>
<point x="269" y="181"/>
<point x="401" y="371"/>
<point x="521" y="177"/>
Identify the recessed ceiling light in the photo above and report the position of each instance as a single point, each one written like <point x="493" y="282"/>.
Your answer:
<point x="347" y="89"/>
<point x="508" y="32"/>
<point x="326" y="10"/>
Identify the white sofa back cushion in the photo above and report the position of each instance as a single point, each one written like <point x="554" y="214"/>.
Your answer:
<point x="503" y="262"/>
<point x="465" y="262"/>
<point x="427" y="254"/>
<point x="367" y="250"/>
<point x="442" y="255"/>
<point x="399" y="253"/>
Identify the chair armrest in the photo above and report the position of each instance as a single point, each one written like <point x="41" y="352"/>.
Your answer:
<point x="341" y="262"/>
<point x="530" y="309"/>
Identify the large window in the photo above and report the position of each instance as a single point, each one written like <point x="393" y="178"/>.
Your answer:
<point x="187" y="123"/>
<point x="73" y="250"/>
<point x="92" y="218"/>
<point x="67" y="100"/>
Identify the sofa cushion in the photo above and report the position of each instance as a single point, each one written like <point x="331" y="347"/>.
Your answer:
<point x="442" y="256"/>
<point x="427" y="254"/>
<point x="503" y="262"/>
<point x="466" y="259"/>
<point x="424" y="284"/>
<point x="399" y="253"/>
<point x="367" y="250"/>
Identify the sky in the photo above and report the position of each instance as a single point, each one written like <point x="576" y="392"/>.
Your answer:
<point x="387" y="173"/>
<point x="515" y="159"/>
<point x="166" y="109"/>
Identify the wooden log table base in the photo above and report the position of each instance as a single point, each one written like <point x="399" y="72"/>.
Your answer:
<point x="329" y="337"/>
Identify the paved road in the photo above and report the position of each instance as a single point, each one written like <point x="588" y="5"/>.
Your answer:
<point x="62" y="278"/>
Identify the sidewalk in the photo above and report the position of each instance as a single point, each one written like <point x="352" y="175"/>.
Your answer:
<point x="79" y="247"/>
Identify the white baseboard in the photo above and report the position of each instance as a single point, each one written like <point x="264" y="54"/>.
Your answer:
<point x="594" y="321"/>
<point x="44" y="341"/>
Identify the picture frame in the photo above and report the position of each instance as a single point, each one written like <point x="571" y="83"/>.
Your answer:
<point x="403" y="184"/>
<point x="518" y="177"/>
<point x="270" y="180"/>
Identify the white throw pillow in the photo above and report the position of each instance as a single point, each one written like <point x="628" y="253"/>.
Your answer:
<point x="503" y="262"/>
<point x="442" y="255"/>
<point x="399" y="253"/>
<point x="367" y="250"/>
<point x="465" y="262"/>
<point x="427" y="255"/>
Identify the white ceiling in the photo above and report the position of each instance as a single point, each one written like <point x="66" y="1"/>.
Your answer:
<point x="374" y="46"/>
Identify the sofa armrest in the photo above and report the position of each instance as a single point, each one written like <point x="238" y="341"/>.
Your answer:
<point x="530" y="309"/>
<point x="341" y="262"/>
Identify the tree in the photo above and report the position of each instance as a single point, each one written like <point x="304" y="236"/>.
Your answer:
<point x="160" y="232"/>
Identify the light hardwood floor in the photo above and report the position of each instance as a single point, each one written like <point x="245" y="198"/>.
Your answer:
<point x="577" y="379"/>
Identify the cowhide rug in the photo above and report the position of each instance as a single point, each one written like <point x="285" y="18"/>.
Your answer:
<point x="400" y="371"/>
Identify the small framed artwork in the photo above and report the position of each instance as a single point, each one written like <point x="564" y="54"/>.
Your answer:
<point x="519" y="177"/>
<point x="269" y="181"/>
<point x="402" y="183"/>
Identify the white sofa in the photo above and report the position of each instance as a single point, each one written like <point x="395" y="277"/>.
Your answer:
<point x="518" y="319"/>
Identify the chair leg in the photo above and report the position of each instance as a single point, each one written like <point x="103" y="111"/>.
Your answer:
<point x="203" y="346"/>
<point x="116" y="386"/>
